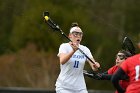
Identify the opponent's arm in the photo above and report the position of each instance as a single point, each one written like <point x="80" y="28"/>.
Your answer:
<point x="115" y="80"/>
<point x="97" y="76"/>
<point x="106" y="76"/>
<point x="102" y="76"/>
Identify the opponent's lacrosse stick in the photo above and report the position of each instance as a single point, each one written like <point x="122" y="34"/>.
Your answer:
<point x="55" y="27"/>
<point x="128" y="45"/>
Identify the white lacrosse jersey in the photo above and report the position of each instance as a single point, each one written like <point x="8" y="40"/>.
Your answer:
<point x="71" y="74"/>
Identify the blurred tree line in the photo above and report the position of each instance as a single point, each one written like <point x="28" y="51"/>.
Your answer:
<point x="28" y="47"/>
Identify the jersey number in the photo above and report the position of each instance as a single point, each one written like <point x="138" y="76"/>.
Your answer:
<point x="76" y="64"/>
<point x="137" y="68"/>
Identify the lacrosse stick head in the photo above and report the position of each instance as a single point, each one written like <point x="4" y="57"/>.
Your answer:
<point x="127" y="45"/>
<point x="48" y="20"/>
<point x="46" y="15"/>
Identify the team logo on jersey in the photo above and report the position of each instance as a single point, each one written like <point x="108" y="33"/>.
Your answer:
<point x="78" y="56"/>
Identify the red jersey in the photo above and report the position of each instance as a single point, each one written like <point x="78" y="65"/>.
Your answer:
<point x="112" y="70"/>
<point x="123" y="83"/>
<point x="132" y="68"/>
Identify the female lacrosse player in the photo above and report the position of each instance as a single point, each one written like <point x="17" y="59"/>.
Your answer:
<point x="130" y="67"/>
<point x="72" y="61"/>
<point x="121" y="56"/>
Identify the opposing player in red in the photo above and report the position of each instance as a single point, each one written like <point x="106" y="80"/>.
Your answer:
<point x="121" y="56"/>
<point x="130" y="67"/>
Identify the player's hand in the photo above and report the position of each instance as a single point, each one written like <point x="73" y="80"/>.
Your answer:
<point x="74" y="46"/>
<point x="93" y="75"/>
<point x="96" y="66"/>
<point x="89" y="74"/>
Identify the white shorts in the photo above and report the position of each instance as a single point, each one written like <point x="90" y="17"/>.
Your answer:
<point x="70" y="91"/>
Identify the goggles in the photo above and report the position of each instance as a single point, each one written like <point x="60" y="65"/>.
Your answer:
<point x="76" y="34"/>
<point x="121" y="56"/>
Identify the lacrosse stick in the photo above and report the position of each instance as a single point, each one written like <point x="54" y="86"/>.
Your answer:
<point x="55" y="27"/>
<point x="128" y="45"/>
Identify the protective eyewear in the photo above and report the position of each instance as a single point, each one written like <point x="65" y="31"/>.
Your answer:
<point x="76" y="34"/>
<point x="121" y="57"/>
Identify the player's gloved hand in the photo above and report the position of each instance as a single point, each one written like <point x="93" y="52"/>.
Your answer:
<point x="99" y="76"/>
<point x="92" y="75"/>
<point x="89" y="74"/>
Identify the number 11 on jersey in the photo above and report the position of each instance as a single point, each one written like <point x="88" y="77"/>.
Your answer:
<point x="76" y="64"/>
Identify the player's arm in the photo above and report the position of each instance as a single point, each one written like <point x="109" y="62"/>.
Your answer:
<point x="64" y="57"/>
<point x="94" y="66"/>
<point x="105" y="76"/>
<point x="115" y="80"/>
<point x="97" y="76"/>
